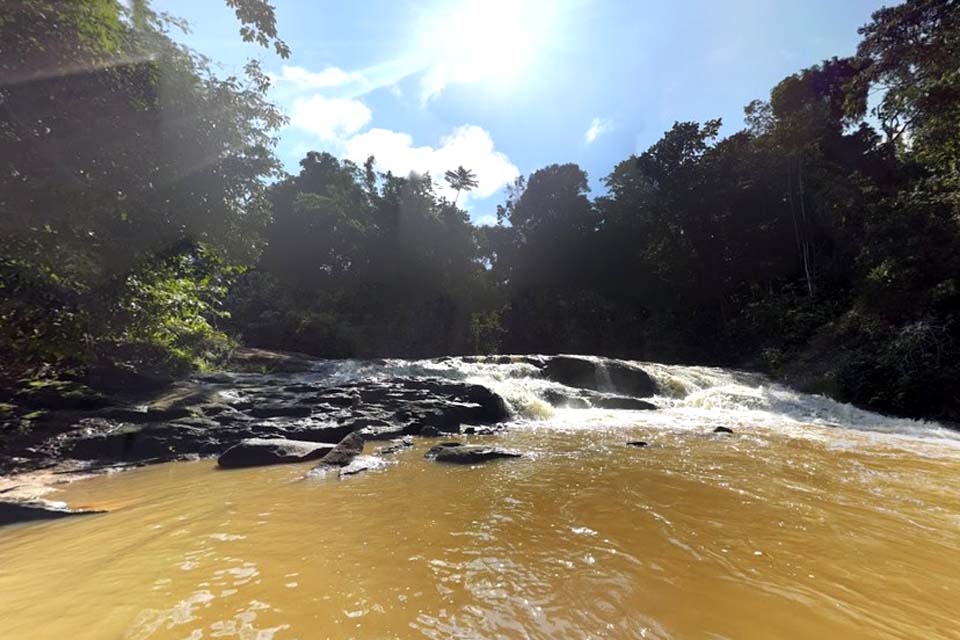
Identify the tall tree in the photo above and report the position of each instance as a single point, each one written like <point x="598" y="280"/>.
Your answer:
<point x="461" y="180"/>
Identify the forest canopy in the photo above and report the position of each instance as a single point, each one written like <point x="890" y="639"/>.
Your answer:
<point x="146" y="224"/>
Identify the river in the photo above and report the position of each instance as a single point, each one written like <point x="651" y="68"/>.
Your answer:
<point x="812" y="520"/>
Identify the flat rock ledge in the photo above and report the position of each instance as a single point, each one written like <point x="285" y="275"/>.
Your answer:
<point x="458" y="453"/>
<point x="256" y="452"/>
<point x="16" y="512"/>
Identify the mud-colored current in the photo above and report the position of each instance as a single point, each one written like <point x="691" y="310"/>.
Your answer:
<point x="782" y="530"/>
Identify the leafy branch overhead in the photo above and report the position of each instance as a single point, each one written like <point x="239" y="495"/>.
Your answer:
<point x="259" y="24"/>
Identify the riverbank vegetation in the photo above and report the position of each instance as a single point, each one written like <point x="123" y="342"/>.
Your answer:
<point x="147" y="226"/>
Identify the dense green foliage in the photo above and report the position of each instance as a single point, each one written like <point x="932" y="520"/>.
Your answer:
<point x="132" y="184"/>
<point x="361" y="264"/>
<point x="820" y="243"/>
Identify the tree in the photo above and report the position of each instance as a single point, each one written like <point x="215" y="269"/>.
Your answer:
<point x="130" y="174"/>
<point x="461" y="180"/>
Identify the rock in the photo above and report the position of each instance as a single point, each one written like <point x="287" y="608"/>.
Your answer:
<point x="558" y="398"/>
<point x="429" y="432"/>
<point x="396" y="446"/>
<point x="58" y="394"/>
<point x="381" y="433"/>
<point x="434" y="450"/>
<point x="280" y="411"/>
<point x="637" y="443"/>
<point x="722" y="430"/>
<point x="331" y="433"/>
<point x="262" y="361"/>
<point x="457" y="453"/>
<point x="363" y="463"/>
<point x="345" y="451"/>
<point x="623" y="402"/>
<point x="255" y="452"/>
<point x="133" y="414"/>
<point x="14" y="512"/>
<point x="602" y="375"/>
<point x="471" y="430"/>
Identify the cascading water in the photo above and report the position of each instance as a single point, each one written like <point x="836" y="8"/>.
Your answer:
<point x="813" y="519"/>
<point x="689" y="397"/>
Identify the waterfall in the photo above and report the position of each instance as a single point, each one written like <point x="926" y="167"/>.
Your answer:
<point x="689" y="397"/>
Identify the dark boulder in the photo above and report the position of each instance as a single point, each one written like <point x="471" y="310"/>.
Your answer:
<point x="263" y="361"/>
<point x="637" y="443"/>
<point x="722" y="430"/>
<point x="58" y="394"/>
<point x="280" y="411"/>
<point x="395" y="446"/>
<point x="382" y="432"/>
<point x="255" y="452"/>
<point x="345" y="451"/>
<point x="15" y="512"/>
<point x="600" y="375"/>
<point x="622" y="402"/>
<point x="558" y="398"/>
<point x="456" y="453"/>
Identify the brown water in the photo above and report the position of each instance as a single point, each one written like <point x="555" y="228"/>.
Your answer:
<point x="762" y="535"/>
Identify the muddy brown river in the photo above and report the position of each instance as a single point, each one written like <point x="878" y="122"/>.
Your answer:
<point x="792" y="527"/>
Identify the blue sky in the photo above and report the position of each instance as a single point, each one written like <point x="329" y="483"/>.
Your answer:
<point x="505" y="87"/>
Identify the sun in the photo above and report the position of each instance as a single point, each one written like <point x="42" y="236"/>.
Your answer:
<point x="494" y="42"/>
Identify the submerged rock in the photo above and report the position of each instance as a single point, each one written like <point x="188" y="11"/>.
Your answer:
<point x="363" y="463"/>
<point x="458" y="453"/>
<point x="637" y="443"/>
<point x="254" y="452"/>
<point x="396" y="446"/>
<point x="722" y="430"/>
<point x="600" y="375"/>
<point x="623" y="402"/>
<point x="14" y="512"/>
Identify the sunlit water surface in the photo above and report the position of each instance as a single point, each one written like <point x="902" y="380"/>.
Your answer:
<point x="788" y="529"/>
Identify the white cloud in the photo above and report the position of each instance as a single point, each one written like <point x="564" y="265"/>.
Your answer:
<point x="489" y="220"/>
<point x="304" y="79"/>
<point x="598" y="127"/>
<point x="468" y="145"/>
<point x="329" y="118"/>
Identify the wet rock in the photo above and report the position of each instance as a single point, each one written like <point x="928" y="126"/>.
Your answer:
<point x="345" y="451"/>
<point x="201" y="416"/>
<point x="255" y="452"/>
<point x="429" y="432"/>
<point x="262" y="361"/>
<point x="331" y="433"/>
<point x="280" y="411"/>
<point x="396" y="446"/>
<point x="471" y="430"/>
<point x="144" y="414"/>
<point x="637" y="443"/>
<point x="722" y="430"/>
<point x="58" y="394"/>
<point x="15" y="512"/>
<point x="440" y="447"/>
<point x="559" y="399"/>
<point x="121" y="443"/>
<point x="458" y="453"/>
<point x="601" y="375"/>
<point x="623" y="402"/>
<point x="363" y="463"/>
<point x="382" y="433"/>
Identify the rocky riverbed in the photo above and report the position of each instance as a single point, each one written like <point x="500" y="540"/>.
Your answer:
<point x="279" y="408"/>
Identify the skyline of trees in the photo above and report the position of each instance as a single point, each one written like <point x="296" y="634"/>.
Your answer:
<point x="147" y="222"/>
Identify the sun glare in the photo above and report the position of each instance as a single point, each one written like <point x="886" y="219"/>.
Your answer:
<point x="484" y="41"/>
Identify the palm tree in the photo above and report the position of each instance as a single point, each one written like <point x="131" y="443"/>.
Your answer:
<point x="461" y="180"/>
